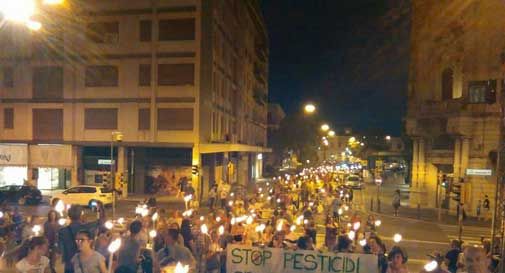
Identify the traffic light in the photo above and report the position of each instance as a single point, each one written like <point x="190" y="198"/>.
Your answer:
<point x="194" y="170"/>
<point x="105" y="177"/>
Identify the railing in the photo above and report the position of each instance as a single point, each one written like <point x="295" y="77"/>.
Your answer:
<point x="430" y="107"/>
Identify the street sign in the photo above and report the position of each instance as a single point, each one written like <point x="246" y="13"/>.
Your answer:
<point x="479" y="172"/>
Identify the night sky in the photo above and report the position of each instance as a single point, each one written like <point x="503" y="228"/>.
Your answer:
<point x="349" y="57"/>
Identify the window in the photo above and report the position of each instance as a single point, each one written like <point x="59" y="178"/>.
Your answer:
<point x="176" y="29"/>
<point x="144" y="119"/>
<point x="88" y="190"/>
<point x="144" y="75"/>
<point x="74" y="190"/>
<point x="176" y="74"/>
<point x="100" y="118"/>
<point x="8" y="118"/>
<point x="482" y="91"/>
<point x="175" y="119"/>
<point x="101" y="76"/>
<point x="103" y="32"/>
<point x="47" y="82"/>
<point x="8" y="77"/>
<point x="447" y="84"/>
<point x="47" y="124"/>
<point x="145" y="30"/>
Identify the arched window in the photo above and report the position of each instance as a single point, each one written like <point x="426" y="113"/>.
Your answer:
<point x="447" y="83"/>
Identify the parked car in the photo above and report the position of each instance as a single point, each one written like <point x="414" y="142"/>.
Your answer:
<point x="354" y="182"/>
<point x="84" y="195"/>
<point x="21" y="195"/>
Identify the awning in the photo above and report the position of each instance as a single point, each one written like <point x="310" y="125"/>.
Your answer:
<point x="229" y="147"/>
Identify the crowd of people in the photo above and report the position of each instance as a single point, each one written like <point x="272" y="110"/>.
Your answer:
<point x="284" y="213"/>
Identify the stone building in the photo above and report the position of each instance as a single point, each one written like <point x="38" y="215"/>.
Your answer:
<point x="184" y="81"/>
<point x="454" y="94"/>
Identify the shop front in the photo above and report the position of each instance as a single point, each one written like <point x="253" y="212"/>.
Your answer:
<point x="13" y="164"/>
<point x="45" y="166"/>
<point x="50" y="166"/>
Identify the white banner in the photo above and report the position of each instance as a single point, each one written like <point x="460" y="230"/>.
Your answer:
<point x="245" y="259"/>
<point x="13" y="155"/>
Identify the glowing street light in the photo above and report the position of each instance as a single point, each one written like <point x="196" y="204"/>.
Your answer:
<point x="331" y="133"/>
<point x="325" y="127"/>
<point x="18" y="11"/>
<point x="309" y="108"/>
<point x="388" y="137"/>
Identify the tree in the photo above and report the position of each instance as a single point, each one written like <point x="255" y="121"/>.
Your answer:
<point x="299" y="134"/>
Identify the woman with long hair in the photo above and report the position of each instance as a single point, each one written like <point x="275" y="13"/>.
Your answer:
<point x="51" y="228"/>
<point x="31" y="256"/>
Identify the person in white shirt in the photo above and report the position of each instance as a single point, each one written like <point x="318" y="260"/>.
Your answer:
<point x="32" y="259"/>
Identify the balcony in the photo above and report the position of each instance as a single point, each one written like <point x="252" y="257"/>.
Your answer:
<point x="429" y="108"/>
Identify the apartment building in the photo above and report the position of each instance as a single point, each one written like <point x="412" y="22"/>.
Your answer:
<point x="184" y="82"/>
<point x="455" y="90"/>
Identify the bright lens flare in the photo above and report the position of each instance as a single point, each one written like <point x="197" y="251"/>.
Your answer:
<point x="351" y="234"/>
<point x="204" y="229"/>
<point x="179" y="268"/>
<point x="356" y="225"/>
<point x="397" y="238"/>
<point x="109" y="225"/>
<point x="53" y="2"/>
<point x="36" y="230"/>
<point x="431" y="266"/>
<point x="279" y="226"/>
<point x="33" y="25"/>
<point x="152" y="233"/>
<point x="115" y="245"/>
<point x="18" y="10"/>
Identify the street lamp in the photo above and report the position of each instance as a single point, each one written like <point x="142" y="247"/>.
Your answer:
<point x="325" y="127"/>
<point x="18" y="11"/>
<point x="21" y="11"/>
<point x="331" y="133"/>
<point x="309" y="108"/>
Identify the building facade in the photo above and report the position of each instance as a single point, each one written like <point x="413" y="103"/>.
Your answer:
<point x="183" y="81"/>
<point x="454" y="95"/>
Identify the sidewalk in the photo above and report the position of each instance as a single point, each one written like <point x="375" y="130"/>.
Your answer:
<point x="426" y="214"/>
